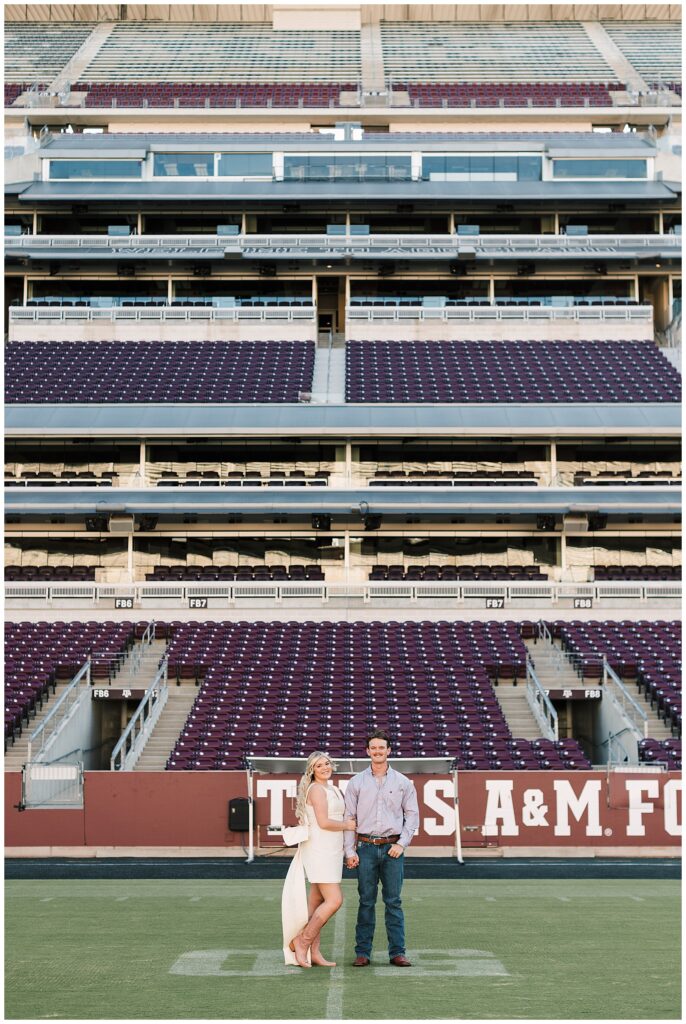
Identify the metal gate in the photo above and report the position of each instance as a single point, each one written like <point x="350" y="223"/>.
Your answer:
<point x="52" y="785"/>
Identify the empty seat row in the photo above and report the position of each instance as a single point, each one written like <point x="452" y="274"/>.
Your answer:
<point x="40" y="654"/>
<point x="236" y="478"/>
<point x="66" y="478"/>
<point x="48" y="573"/>
<point x="457" y="572"/>
<point x="59" y="372"/>
<point x="671" y="573"/>
<point x="224" y="573"/>
<point x="509" y="371"/>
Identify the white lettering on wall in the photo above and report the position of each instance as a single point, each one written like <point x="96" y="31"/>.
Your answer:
<point x="276" y="790"/>
<point x="433" y="801"/>
<point x="587" y="802"/>
<point x="673" y="819"/>
<point x="637" y="808"/>
<point x="499" y="807"/>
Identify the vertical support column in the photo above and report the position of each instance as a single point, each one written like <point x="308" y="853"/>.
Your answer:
<point x="26" y="290"/>
<point x="347" y="222"/>
<point x="244" y="226"/>
<point x="557" y="223"/>
<point x="346" y="556"/>
<point x="139" y="223"/>
<point x="170" y="290"/>
<point x="563" y="553"/>
<point x="635" y="288"/>
<point x="348" y="464"/>
<point x="129" y="556"/>
<point x="661" y="222"/>
<point x="141" y="464"/>
<point x="553" y="463"/>
<point x="491" y="290"/>
<point x="451" y="223"/>
<point x="34" y="227"/>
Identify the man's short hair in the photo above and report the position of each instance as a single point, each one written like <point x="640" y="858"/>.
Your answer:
<point x="379" y="734"/>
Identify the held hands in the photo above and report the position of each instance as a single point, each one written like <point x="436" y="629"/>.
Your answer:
<point x="350" y="825"/>
<point x="352" y="861"/>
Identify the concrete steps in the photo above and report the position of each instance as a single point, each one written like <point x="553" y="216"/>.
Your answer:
<point x="554" y="671"/>
<point x="518" y="714"/>
<point x="167" y="729"/>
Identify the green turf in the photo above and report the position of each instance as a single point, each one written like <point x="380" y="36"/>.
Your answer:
<point x="549" y="949"/>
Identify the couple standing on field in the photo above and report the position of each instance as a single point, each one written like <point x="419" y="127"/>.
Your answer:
<point x="373" y="825"/>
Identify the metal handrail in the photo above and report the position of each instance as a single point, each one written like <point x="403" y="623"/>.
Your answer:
<point x="640" y="314"/>
<point x="136" y="314"/>
<point x="624" y="700"/>
<point x="550" y="591"/>
<point x="130" y="745"/>
<point x="540" y="704"/>
<point x="517" y="243"/>
<point x="613" y="737"/>
<point x="51" y="717"/>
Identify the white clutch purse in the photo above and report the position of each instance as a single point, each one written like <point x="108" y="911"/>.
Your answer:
<point x="294" y="834"/>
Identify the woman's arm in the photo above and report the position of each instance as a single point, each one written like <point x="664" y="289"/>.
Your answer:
<point x="317" y="799"/>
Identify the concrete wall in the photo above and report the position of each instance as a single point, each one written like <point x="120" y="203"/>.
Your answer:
<point x="498" y="330"/>
<point x="136" y="330"/>
<point x="190" y="810"/>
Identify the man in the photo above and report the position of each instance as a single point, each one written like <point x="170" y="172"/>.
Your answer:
<point x="384" y="802"/>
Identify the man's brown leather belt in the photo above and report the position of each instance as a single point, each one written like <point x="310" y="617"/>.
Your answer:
<point x="382" y="841"/>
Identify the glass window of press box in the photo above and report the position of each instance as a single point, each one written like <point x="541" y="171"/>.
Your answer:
<point x="183" y="165"/>
<point x="609" y="168"/>
<point x="447" y="167"/>
<point x="347" y="167"/>
<point x="245" y="165"/>
<point x="92" y="169"/>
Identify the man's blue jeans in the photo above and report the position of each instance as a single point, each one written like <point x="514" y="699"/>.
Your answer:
<point x="375" y="865"/>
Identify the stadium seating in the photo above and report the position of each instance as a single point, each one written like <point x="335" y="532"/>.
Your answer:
<point x="509" y="371"/>
<point x="649" y="652"/>
<point x="50" y="573"/>
<point x="653" y="48"/>
<point x="666" y="573"/>
<point x="666" y="752"/>
<point x="519" y="94"/>
<point x="449" y="478"/>
<point x="286" y="688"/>
<point x="36" y="50"/>
<point x="617" y="477"/>
<point x="59" y="372"/>
<point x="249" y="478"/>
<point x="237" y="573"/>
<point x="467" y="573"/>
<point x="243" y="52"/>
<point x="66" y="478"/>
<point x="442" y="51"/>
<point x="39" y="654"/>
<point x="214" y="94"/>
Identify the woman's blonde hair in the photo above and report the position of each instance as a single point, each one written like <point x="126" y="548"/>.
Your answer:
<point x="305" y="782"/>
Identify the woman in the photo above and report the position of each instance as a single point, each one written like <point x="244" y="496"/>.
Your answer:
<point x="320" y="806"/>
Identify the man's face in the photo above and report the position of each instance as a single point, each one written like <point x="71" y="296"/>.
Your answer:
<point x="378" y="751"/>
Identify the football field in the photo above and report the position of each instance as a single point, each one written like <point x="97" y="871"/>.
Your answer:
<point x="206" y="949"/>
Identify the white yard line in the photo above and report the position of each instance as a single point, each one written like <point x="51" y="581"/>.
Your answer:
<point x="334" y="999"/>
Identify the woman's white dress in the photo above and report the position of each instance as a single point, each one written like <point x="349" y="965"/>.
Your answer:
<point x="321" y="859"/>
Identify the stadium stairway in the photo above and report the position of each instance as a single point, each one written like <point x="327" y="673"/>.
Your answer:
<point x="518" y="714"/>
<point x="328" y="377"/>
<point x="556" y="672"/>
<point x="170" y="723"/>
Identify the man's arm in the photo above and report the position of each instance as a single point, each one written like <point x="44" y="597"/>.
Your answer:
<point x="410" y="814"/>
<point x="351" y="795"/>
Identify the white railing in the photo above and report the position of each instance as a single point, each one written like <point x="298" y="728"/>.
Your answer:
<point x="400" y="314"/>
<point x="132" y="741"/>
<point x="630" y="709"/>
<point x="352" y="244"/>
<point x="162" y="314"/>
<point x="540" y="704"/>
<point x="52" y="785"/>
<point x="60" y="713"/>
<point x="496" y="594"/>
